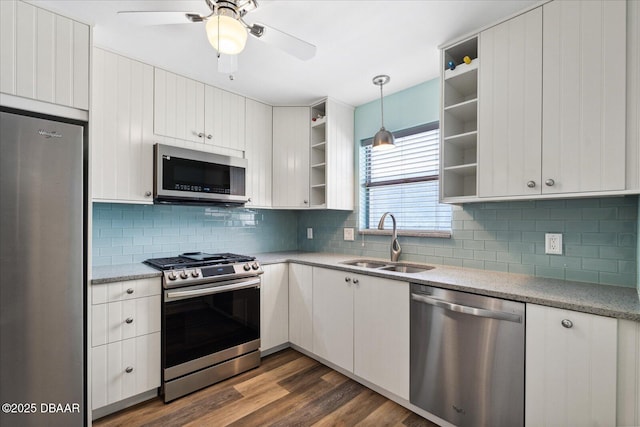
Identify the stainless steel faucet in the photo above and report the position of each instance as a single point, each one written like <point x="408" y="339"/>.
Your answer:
<point x="395" y="246"/>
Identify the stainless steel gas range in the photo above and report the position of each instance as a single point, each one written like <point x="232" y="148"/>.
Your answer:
<point x="210" y="319"/>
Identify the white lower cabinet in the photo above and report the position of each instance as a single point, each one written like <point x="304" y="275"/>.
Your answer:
<point x="274" y="303"/>
<point x="361" y="324"/>
<point x="570" y="368"/>
<point x="125" y="340"/>
<point x="628" y="405"/>
<point x="300" y="306"/>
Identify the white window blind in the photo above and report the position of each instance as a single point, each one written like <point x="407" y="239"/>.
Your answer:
<point x="404" y="181"/>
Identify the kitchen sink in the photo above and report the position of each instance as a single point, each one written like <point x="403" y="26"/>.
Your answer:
<point x="407" y="268"/>
<point x="388" y="266"/>
<point x="365" y="263"/>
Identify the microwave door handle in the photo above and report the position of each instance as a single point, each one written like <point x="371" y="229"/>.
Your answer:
<point x="473" y="311"/>
<point x="175" y="295"/>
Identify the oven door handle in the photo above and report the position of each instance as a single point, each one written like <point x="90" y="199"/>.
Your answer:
<point x="174" y="295"/>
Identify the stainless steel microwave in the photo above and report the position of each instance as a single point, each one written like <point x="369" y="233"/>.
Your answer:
<point x="189" y="176"/>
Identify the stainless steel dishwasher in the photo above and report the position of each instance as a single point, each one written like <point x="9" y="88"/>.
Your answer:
<point x="467" y="357"/>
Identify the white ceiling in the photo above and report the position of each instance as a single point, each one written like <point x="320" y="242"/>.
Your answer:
<point x="355" y="39"/>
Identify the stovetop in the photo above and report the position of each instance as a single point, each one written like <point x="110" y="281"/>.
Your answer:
<point x="197" y="259"/>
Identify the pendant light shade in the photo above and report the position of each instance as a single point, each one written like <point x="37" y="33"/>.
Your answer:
<point x="383" y="139"/>
<point x="226" y="34"/>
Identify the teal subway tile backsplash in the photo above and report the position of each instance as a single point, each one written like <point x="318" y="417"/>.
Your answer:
<point x="600" y="238"/>
<point x="124" y="234"/>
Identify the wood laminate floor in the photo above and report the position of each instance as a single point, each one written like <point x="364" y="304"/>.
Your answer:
<point x="288" y="389"/>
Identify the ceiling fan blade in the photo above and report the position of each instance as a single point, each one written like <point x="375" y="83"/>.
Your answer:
<point x="157" y="17"/>
<point x="288" y="43"/>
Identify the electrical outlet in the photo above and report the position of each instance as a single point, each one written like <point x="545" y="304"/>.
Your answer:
<point x="553" y="243"/>
<point x="348" y="234"/>
<point x="309" y="233"/>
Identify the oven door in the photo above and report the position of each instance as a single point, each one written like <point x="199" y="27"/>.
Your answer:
<point x="208" y="324"/>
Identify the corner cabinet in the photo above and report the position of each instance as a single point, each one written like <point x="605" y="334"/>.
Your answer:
<point x="43" y="56"/>
<point x="121" y="129"/>
<point x="571" y="361"/>
<point x="259" y="153"/>
<point x="291" y="157"/>
<point x="313" y="156"/>
<point x="459" y="117"/>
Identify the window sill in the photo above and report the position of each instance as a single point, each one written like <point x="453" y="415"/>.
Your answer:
<point x="409" y="233"/>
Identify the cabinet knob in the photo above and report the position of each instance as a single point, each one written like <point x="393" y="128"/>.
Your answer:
<point x="147" y="194"/>
<point x="129" y="320"/>
<point x="306" y="202"/>
<point x="129" y="369"/>
<point x="356" y="281"/>
<point x="347" y="279"/>
<point x="130" y="291"/>
<point x="549" y="182"/>
<point x="531" y="184"/>
<point x="567" y="323"/>
<point x="249" y="200"/>
<point x="200" y="135"/>
<point x="209" y="136"/>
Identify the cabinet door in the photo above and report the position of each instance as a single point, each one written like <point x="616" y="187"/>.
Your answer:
<point x="510" y="108"/>
<point x="628" y="405"/>
<point x="290" y="157"/>
<point x="584" y="70"/>
<point x="570" y="371"/>
<point x="339" y="156"/>
<point x="178" y="107"/>
<point x="44" y="56"/>
<point x="381" y="333"/>
<point x="124" y="368"/>
<point x="259" y="153"/>
<point x="224" y="118"/>
<point x="300" y="306"/>
<point x="333" y="316"/>
<point x="274" y="304"/>
<point x="121" y="129"/>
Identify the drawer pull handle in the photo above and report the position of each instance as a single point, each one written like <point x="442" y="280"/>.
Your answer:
<point x="567" y="323"/>
<point x="129" y="369"/>
<point x="130" y="291"/>
<point x="129" y="320"/>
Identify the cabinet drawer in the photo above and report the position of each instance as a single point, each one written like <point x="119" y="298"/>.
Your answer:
<point x="125" y="368"/>
<point x="120" y="320"/>
<point x="128" y="289"/>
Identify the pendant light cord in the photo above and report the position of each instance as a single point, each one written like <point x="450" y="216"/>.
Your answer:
<point x="381" y="107"/>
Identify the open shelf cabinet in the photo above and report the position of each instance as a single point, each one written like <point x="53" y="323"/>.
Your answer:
<point x="318" y="155"/>
<point x="459" y="127"/>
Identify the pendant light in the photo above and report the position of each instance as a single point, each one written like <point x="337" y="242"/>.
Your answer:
<point x="383" y="139"/>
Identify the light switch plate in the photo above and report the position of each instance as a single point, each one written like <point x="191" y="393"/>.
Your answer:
<point x="309" y="233"/>
<point x="348" y="234"/>
<point x="553" y="243"/>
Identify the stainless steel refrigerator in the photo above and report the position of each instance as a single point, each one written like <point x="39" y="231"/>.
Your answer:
<point x="42" y="280"/>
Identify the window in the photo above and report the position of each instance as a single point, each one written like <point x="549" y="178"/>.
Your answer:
<point x="404" y="181"/>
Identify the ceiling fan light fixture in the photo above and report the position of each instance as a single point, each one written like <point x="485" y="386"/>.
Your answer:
<point x="383" y="139"/>
<point x="226" y="34"/>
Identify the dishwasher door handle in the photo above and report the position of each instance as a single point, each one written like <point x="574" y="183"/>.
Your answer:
<point x="473" y="311"/>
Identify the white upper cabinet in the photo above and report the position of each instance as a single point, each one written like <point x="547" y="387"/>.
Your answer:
<point x="259" y="153"/>
<point x="188" y="110"/>
<point x="121" y="129"/>
<point x="510" y="111"/>
<point x="583" y="110"/>
<point x="291" y="157"/>
<point x="633" y="95"/>
<point x="44" y="56"/>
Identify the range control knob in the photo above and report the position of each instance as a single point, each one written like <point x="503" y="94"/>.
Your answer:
<point x="255" y="266"/>
<point x="184" y="274"/>
<point x="171" y="276"/>
<point x="195" y="273"/>
<point x="246" y="267"/>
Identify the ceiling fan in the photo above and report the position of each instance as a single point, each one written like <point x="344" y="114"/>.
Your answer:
<point x="226" y="28"/>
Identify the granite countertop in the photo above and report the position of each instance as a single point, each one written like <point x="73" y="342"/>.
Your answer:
<point x="613" y="301"/>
